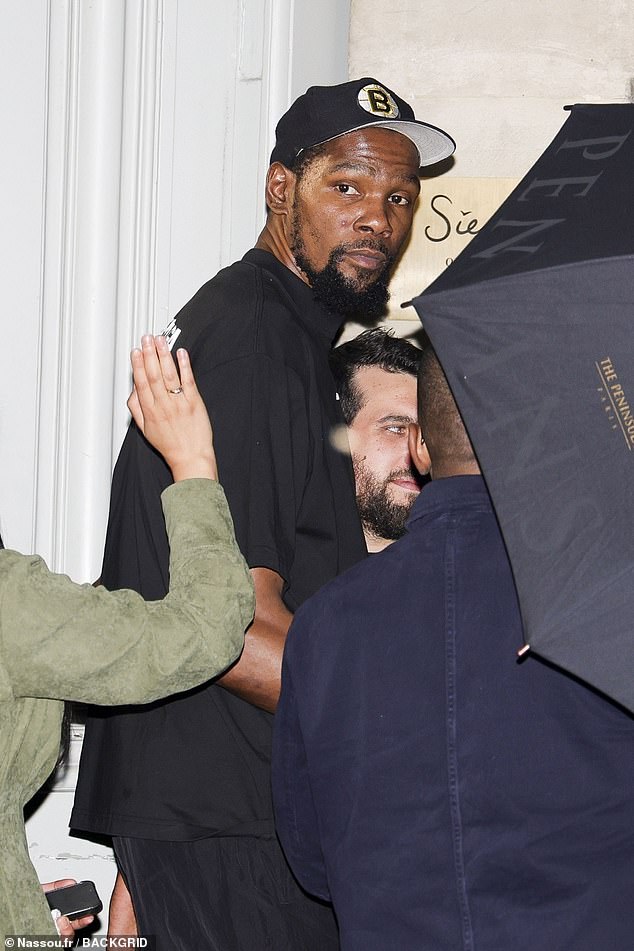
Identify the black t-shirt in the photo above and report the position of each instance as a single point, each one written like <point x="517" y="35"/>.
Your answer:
<point x="199" y="764"/>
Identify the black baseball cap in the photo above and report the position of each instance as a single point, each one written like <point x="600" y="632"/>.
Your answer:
<point x="325" y="112"/>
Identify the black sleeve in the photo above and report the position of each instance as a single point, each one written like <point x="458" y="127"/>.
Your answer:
<point x="136" y="553"/>
<point x="261" y="435"/>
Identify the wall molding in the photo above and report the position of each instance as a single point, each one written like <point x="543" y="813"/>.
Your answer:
<point x="99" y="258"/>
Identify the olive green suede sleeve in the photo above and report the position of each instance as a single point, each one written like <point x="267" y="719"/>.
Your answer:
<point x="61" y="640"/>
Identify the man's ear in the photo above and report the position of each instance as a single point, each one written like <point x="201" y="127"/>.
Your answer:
<point x="280" y="189"/>
<point x="418" y="450"/>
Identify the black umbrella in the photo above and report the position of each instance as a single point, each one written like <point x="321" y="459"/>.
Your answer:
<point x="534" y="326"/>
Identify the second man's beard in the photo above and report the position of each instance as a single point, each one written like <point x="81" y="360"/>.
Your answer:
<point x="339" y="294"/>
<point x="380" y="515"/>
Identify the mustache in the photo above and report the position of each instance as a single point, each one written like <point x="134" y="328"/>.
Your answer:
<point x="370" y="244"/>
<point x="404" y="474"/>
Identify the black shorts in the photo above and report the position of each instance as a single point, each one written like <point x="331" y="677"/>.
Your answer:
<point x="222" y="894"/>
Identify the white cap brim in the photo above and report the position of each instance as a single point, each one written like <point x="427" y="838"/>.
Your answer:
<point x="433" y="144"/>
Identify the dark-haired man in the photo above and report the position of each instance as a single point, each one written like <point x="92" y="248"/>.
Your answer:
<point x="184" y="787"/>
<point x="375" y="375"/>
<point x="440" y="793"/>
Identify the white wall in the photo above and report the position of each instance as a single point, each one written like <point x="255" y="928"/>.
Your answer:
<point x="136" y="140"/>
<point x="496" y="74"/>
<point x="23" y="40"/>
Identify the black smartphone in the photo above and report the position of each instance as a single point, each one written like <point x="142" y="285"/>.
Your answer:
<point x="75" y="901"/>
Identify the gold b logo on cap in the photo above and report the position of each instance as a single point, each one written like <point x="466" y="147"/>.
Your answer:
<point x="376" y="100"/>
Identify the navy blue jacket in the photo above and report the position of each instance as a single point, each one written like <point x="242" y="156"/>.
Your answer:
<point x="442" y="794"/>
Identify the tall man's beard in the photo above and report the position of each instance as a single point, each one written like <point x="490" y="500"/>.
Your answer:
<point x="339" y="294"/>
<point x="380" y="515"/>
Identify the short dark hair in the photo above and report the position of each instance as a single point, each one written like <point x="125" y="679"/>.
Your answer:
<point x="302" y="162"/>
<point x="305" y="158"/>
<point x="372" y="348"/>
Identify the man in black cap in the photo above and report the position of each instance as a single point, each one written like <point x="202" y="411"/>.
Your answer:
<point x="183" y="787"/>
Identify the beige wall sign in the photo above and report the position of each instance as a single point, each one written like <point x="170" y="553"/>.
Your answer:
<point x="449" y="213"/>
